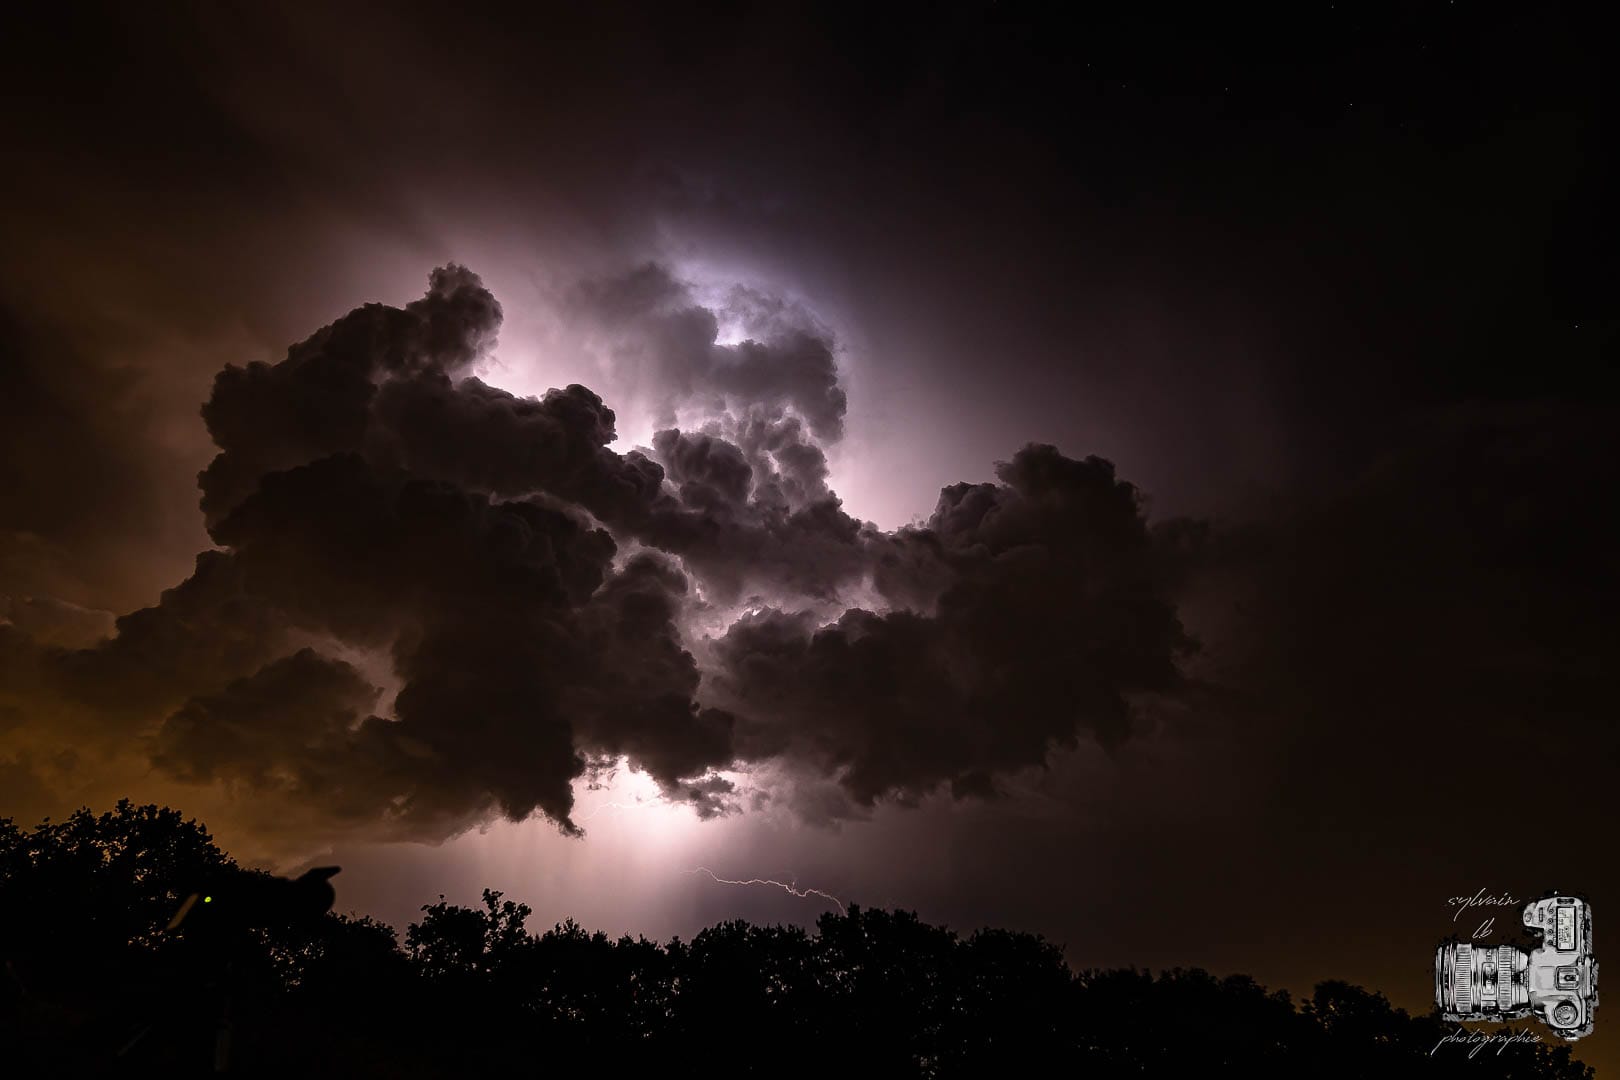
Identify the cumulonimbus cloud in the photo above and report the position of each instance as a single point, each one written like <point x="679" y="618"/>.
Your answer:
<point x="530" y="587"/>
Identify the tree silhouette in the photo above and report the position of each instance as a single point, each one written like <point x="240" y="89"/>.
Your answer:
<point x="94" y="984"/>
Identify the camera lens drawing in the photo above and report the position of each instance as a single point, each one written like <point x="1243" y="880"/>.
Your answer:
<point x="1555" y="980"/>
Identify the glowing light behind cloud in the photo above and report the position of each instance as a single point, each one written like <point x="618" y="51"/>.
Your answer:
<point x="539" y="350"/>
<point x="633" y="870"/>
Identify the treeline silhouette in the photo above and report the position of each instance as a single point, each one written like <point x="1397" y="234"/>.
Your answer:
<point x="95" y="985"/>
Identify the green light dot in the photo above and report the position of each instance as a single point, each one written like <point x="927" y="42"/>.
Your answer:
<point x="208" y="899"/>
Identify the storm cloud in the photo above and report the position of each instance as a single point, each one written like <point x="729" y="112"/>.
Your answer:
<point x="651" y="322"/>
<point x="534" y="594"/>
<point x="1045" y="613"/>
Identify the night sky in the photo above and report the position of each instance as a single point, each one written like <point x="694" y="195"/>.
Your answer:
<point x="1142" y="478"/>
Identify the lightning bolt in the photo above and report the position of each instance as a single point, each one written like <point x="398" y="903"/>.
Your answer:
<point x="788" y="887"/>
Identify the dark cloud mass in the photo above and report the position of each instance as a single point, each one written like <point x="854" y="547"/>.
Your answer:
<point x="530" y="587"/>
<point x="318" y="400"/>
<point x="1048" y="616"/>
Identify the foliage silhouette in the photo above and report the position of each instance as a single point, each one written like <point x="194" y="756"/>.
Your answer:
<point x="94" y="986"/>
